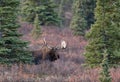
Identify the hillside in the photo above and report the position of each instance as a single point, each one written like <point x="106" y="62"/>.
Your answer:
<point x="69" y="68"/>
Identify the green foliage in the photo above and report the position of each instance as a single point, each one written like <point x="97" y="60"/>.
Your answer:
<point x="87" y="11"/>
<point x="44" y="9"/>
<point x="105" y="33"/>
<point x="78" y="24"/>
<point x="61" y="12"/>
<point x="37" y="29"/>
<point x="105" y="74"/>
<point x="64" y="11"/>
<point x="12" y="48"/>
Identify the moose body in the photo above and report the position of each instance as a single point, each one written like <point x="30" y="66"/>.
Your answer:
<point x="46" y="53"/>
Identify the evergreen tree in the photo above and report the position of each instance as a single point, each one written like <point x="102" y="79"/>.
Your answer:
<point x="105" y="74"/>
<point x="65" y="7"/>
<point x="61" y="12"/>
<point x="36" y="32"/>
<point x="28" y="10"/>
<point x="12" y="48"/>
<point x="105" y="33"/>
<point x="44" y="9"/>
<point x="87" y="11"/>
<point x="78" y="23"/>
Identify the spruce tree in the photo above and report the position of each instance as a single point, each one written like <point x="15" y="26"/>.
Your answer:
<point x="28" y="10"/>
<point x="105" y="33"/>
<point x="87" y="11"/>
<point x="78" y="23"/>
<point x="12" y="48"/>
<point x="36" y="32"/>
<point x="61" y="12"/>
<point x="105" y="74"/>
<point x="44" y="9"/>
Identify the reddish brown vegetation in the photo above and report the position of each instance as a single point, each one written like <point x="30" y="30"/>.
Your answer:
<point x="66" y="69"/>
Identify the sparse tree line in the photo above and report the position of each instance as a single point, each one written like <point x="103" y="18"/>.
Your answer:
<point x="101" y="18"/>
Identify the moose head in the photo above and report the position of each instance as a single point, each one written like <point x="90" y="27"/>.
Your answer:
<point x="47" y="52"/>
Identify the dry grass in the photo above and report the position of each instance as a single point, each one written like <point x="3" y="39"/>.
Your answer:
<point x="52" y="72"/>
<point x="66" y="69"/>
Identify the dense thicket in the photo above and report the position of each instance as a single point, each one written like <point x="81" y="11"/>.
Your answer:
<point x="12" y="48"/>
<point x="44" y="9"/>
<point x="104" y="34"/>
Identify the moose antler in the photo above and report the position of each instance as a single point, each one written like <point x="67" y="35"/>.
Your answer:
<point x="63" y="44"/>
<point x="45" y="43"/>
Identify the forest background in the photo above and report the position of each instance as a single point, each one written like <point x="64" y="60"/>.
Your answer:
<point x="90" y="27"/>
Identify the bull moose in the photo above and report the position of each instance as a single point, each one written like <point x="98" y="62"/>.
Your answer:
<point x="47" y="53"/>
